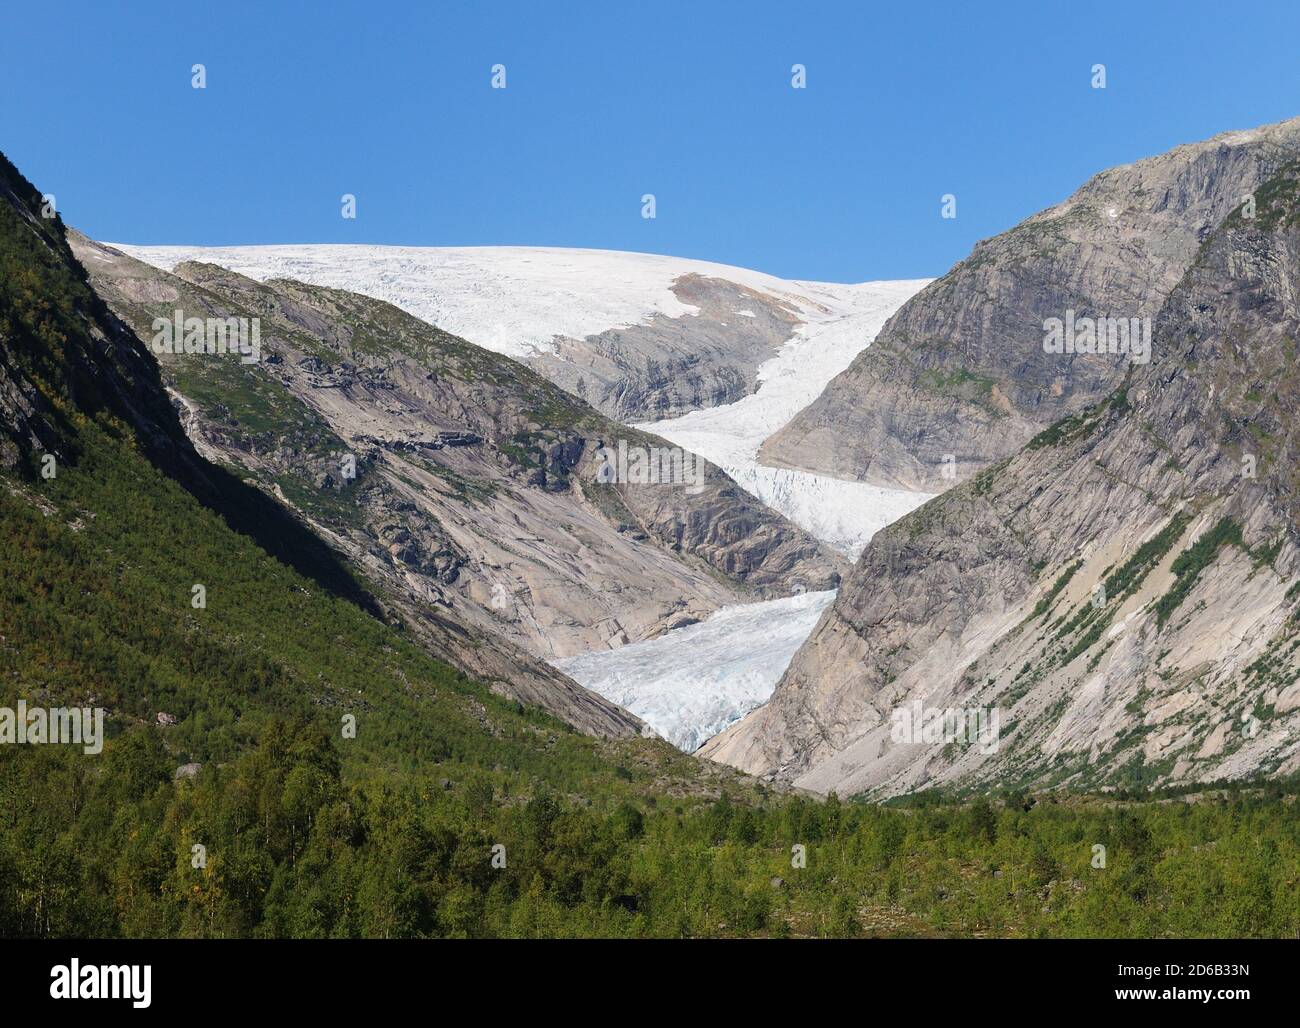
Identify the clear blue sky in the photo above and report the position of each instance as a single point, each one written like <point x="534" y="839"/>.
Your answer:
<point x="391" y="101"/>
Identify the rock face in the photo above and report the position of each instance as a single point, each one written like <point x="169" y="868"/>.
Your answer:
<point x="959" y="378"/>
<point x="1124" y="592"/>
<point x="675" y="365"/>
<point x="469" y="484"/>
<point x="84" y="354"/>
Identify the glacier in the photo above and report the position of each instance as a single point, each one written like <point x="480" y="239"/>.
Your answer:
<point x="691" y="683"/>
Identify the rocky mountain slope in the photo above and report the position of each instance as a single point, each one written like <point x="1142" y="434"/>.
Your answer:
<point x="959" y="378"/>
<point x="77" y="350"/>
<point x="640" y="337"/>
<point x="1124" y="591"/>
<point x="466" y="482"/>
<point x="82" y="365"/>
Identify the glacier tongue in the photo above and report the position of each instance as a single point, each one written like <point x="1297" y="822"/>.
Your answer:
<point x="691" y="683"/>
<point x="843" y="514"/>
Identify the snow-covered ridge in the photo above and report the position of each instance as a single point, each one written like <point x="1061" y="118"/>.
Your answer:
<point x="511" y="299"/>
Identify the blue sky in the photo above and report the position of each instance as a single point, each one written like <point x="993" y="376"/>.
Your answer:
<point x="607" y="101"/>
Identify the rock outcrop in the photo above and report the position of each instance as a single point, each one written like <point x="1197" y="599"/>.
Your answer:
<point x="673" y="365"/>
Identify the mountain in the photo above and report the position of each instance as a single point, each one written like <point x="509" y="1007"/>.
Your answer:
<point x="959" y="378"/>
<point x="640" y="337"/>
<point x="289" y="760"/>
<point x="1124" y="590"/>
<point x="476" y="492"/>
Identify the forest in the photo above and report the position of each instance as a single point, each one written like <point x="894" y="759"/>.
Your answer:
<point x="446" y="811"/>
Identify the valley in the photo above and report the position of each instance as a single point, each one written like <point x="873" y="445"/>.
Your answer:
<point x="962" y="557"/>
<point x="555" y="296"/>
<point x="642" y="690"/>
